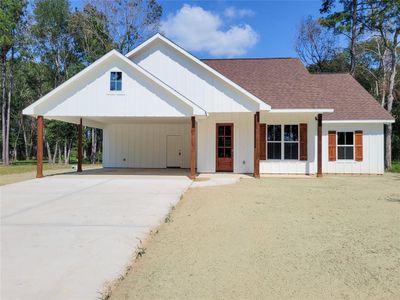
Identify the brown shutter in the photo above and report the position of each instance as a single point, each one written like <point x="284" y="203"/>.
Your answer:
<point x="263" y="141"/>
<point x="303" y="141"/>
<point x="359" y="145"/>
<point x="332" y="145"/>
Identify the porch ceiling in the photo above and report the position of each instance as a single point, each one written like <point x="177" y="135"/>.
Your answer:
<point x="101" y="122"/>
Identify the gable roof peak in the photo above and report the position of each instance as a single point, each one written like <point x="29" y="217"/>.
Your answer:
<point x="262" y="105"/>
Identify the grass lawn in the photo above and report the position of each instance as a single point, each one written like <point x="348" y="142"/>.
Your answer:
<point x="276" y="238"/>
<point x="25" y="170"/>
<point x="395" y="166"/>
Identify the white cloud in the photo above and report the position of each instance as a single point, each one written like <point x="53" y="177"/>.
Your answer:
<point x="196" y="29"/>
<point x="233" y="12"/>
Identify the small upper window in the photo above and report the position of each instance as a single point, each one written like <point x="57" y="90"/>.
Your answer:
<point x="345" y="145"/>
<point x="116" y="81"/>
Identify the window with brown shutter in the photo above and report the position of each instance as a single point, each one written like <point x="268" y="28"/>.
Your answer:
<point x="263" y="141"/>
<point x="359" y="145"/>
<point x="345" y="145"/>
<point x="332" y="145"/>
<point x="303" y="141"/>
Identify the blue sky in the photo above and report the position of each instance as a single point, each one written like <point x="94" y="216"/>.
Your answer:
<point x="274" y="23"/>
<point x="226" y="28"/>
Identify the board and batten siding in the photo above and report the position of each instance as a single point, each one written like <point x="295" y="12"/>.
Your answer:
<point x="308" y="166"/>
<point x="139" y="97"/>
<point x="243" y="130"/>
<point x="373" y="150"/>
<point x="192" y="81"/>
<point x="142" y="145"/>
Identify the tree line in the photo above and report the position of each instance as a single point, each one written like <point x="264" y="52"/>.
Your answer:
<point x="371" y="29"/>
<point x="45" y="42"/>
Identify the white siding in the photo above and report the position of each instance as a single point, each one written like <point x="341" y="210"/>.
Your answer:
<point x="193" y="81"/>
<point x="373" y="150"/>
<point x="243" y="124"/>
<point x="142" y="145"/>
<point x="91" y="96"/>
<point x="292" y="166"/>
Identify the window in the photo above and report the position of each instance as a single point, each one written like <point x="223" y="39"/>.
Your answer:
<point x="345" y="145"/>
<point x="274" y="139"/>
<point x="116" y="81"/>
<point x="286" y="148"/>
<point x="291" y="141"/>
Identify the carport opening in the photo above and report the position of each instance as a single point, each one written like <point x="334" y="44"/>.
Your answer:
<point x="133" y="146"/>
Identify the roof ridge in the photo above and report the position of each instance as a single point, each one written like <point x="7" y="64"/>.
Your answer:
<point x="330" y="73"/>
<point x="250" y="58"/>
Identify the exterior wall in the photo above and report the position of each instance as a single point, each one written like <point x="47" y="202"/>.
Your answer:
<point x="373" y="150"/>
<point x="292" y="166"/>
<point x="243" y="141"/>
<point x="142" y="145"/>
<point x="91" y="96"/>
<point x="193" y="81"/>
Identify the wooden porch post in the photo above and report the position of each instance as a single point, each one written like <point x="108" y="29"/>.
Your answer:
<point x="257" y="145"/>
<point x="39" y="147"/>
<point x="80" y="152"/>
<point x="193" y="149"/>
<point x="319" y="161"/>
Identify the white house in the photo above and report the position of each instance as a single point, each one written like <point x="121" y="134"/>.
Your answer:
<point x="161" y="107"/>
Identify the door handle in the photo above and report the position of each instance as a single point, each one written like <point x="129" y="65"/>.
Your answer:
<point x="180" y="152"/>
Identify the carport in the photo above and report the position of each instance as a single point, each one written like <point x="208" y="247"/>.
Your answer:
<point x="145" y="123"/>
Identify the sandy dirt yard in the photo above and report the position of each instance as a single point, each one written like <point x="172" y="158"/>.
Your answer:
<point x="276" y="238"/>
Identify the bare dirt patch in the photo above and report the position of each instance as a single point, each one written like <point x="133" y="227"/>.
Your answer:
<point x="276" y="238"/>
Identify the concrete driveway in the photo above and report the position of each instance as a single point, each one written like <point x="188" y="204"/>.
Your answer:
<point x="63" y="237"/>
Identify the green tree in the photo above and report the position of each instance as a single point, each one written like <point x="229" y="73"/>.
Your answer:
<point x="383" y="19"/>
<point x="339" y="63"/>
<point x="347" y="21"/>
<point x="92" y="39"/>
<point x="32" y="79"/>
<point x="89" y="29"/>
<point x="11" y="16"/>
<point x="54" y="44"/>
<point x="130" y="21"/>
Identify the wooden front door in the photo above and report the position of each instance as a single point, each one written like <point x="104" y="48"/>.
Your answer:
<point x="224" y="148"/>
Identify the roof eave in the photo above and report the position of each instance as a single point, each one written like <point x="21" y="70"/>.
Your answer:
<point x="384" y="121"/>
<point x="302" y="110"/>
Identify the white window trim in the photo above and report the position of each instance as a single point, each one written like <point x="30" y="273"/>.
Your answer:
<point x="115" y="92"/>
<point x="298" y="142"/>
<point x="337" y="147"/>
<point x="274" y="142"/>
<point x="282" y="141"/>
